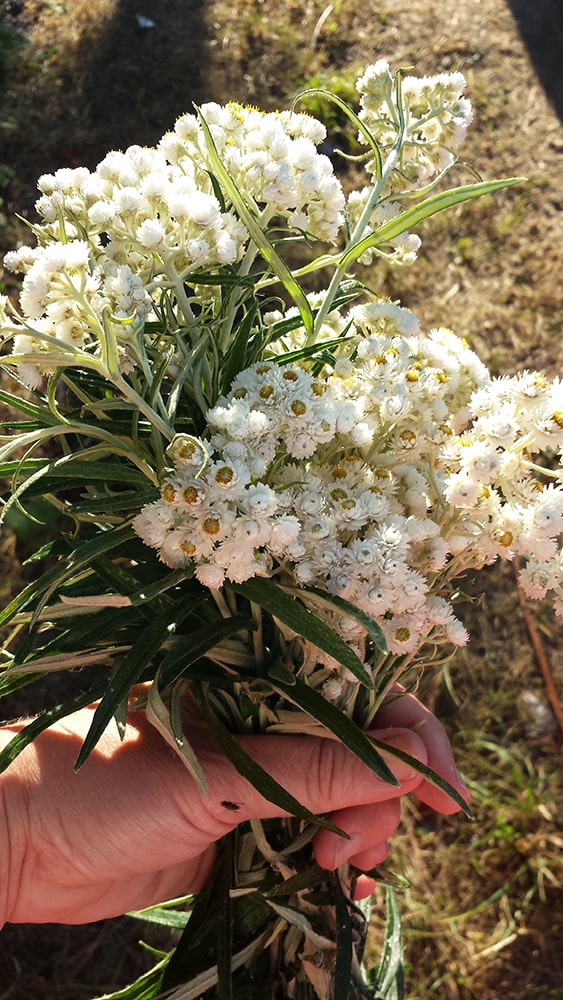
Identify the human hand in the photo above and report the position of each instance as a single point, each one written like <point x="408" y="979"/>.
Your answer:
<point x="132" y="829"/>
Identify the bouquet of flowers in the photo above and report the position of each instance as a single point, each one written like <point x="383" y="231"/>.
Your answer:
<point x="265" y="494"/>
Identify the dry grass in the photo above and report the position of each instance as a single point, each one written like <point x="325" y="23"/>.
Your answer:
<point x="482" y="920"/>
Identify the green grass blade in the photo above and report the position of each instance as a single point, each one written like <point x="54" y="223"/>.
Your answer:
<point x="289" y="610"/>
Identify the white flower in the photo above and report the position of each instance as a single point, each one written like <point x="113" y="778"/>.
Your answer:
<point x="210" y="575"/>
<point x="150" y="233"/>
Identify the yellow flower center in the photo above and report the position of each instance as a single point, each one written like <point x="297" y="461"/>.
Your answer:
<point x="338" y="494"/>
<point x="190" y="494"/>
<point x="224" y="475"/>
<point x="298" y="407"/>
<point x="402" y="634"/>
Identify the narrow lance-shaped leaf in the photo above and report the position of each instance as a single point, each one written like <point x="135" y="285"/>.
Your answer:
<point x="426" y="772"/>
<point x="344" y="943"/>
<point x="40" y="413"/>
<point x="82" y="557"/>
<point x="140" y="655"/>
<point x="390" y="974"/>
<point x="248" y="218"/>
<point x="371" y="626"/>
<point x="354" y="118"/>
<point x="430" y="206"/>
<point x="272" y="598"/>
<point x="172" y="732"/>
<point x="50" y="580"/>
<point x="177" y="662"/>
<point x="337" y="722"/>
<point x="256" y="775"/>
<point x="30" y="732"/>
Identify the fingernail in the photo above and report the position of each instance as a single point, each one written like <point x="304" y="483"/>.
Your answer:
<point x="461" y="783"/>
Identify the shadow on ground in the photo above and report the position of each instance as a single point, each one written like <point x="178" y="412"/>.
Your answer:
<point x="540" y="23"/>
<point x="123" y="79"/>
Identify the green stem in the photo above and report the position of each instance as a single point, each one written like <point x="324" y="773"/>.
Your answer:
<point x="356" y="235"/>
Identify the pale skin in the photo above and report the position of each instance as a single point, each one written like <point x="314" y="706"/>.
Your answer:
<point x="131" y="828"/>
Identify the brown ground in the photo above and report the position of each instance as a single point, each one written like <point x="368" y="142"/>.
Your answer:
<point x="87" y="77"/>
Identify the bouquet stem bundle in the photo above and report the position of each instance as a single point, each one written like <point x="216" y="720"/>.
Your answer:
<point x="265" y="496"/>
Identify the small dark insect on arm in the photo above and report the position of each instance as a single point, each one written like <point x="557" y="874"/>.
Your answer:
<point x="230" y="805"/>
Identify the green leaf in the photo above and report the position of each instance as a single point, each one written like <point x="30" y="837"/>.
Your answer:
<point x="430" y="206"/>
<point x="163" y="916"/>
<point x="390" y="975"/>
<point x="82" y="471"/>
<point x="337" y="722"/>
<point x="146" y="987"/>
<point x="43" y="721"/>
<point x="225" y="924"/>
<point x="272" y="598"/>
<point x="248" y="217"/>
<point x="371" y="626"/>
<point x="148" y="644"/>
<point x="189" y="649"/>
<point x="81" y="557"/>
<point x="12" y="682"/>
<point x="169" y="724"/>
<point x="236" y="358"/>
<point x="39" y="413"/>
<point x="427" y="773"/>
<point x="256" y="775"/>
<point x="356" y="122"/>
<point x="113" y="502"/>
<point x="196" y="951"/>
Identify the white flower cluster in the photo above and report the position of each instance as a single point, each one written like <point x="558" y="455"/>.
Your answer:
<point x="377" y="482"/>
<point x="430" y="117"/>
<point x="114" y="241"/>
<point x="435" y="119"/>
<point x="502" y="494"/>
<point x="306" y="476"/>
<point x="146" y="219"/>
<point x="272" y="158"/>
